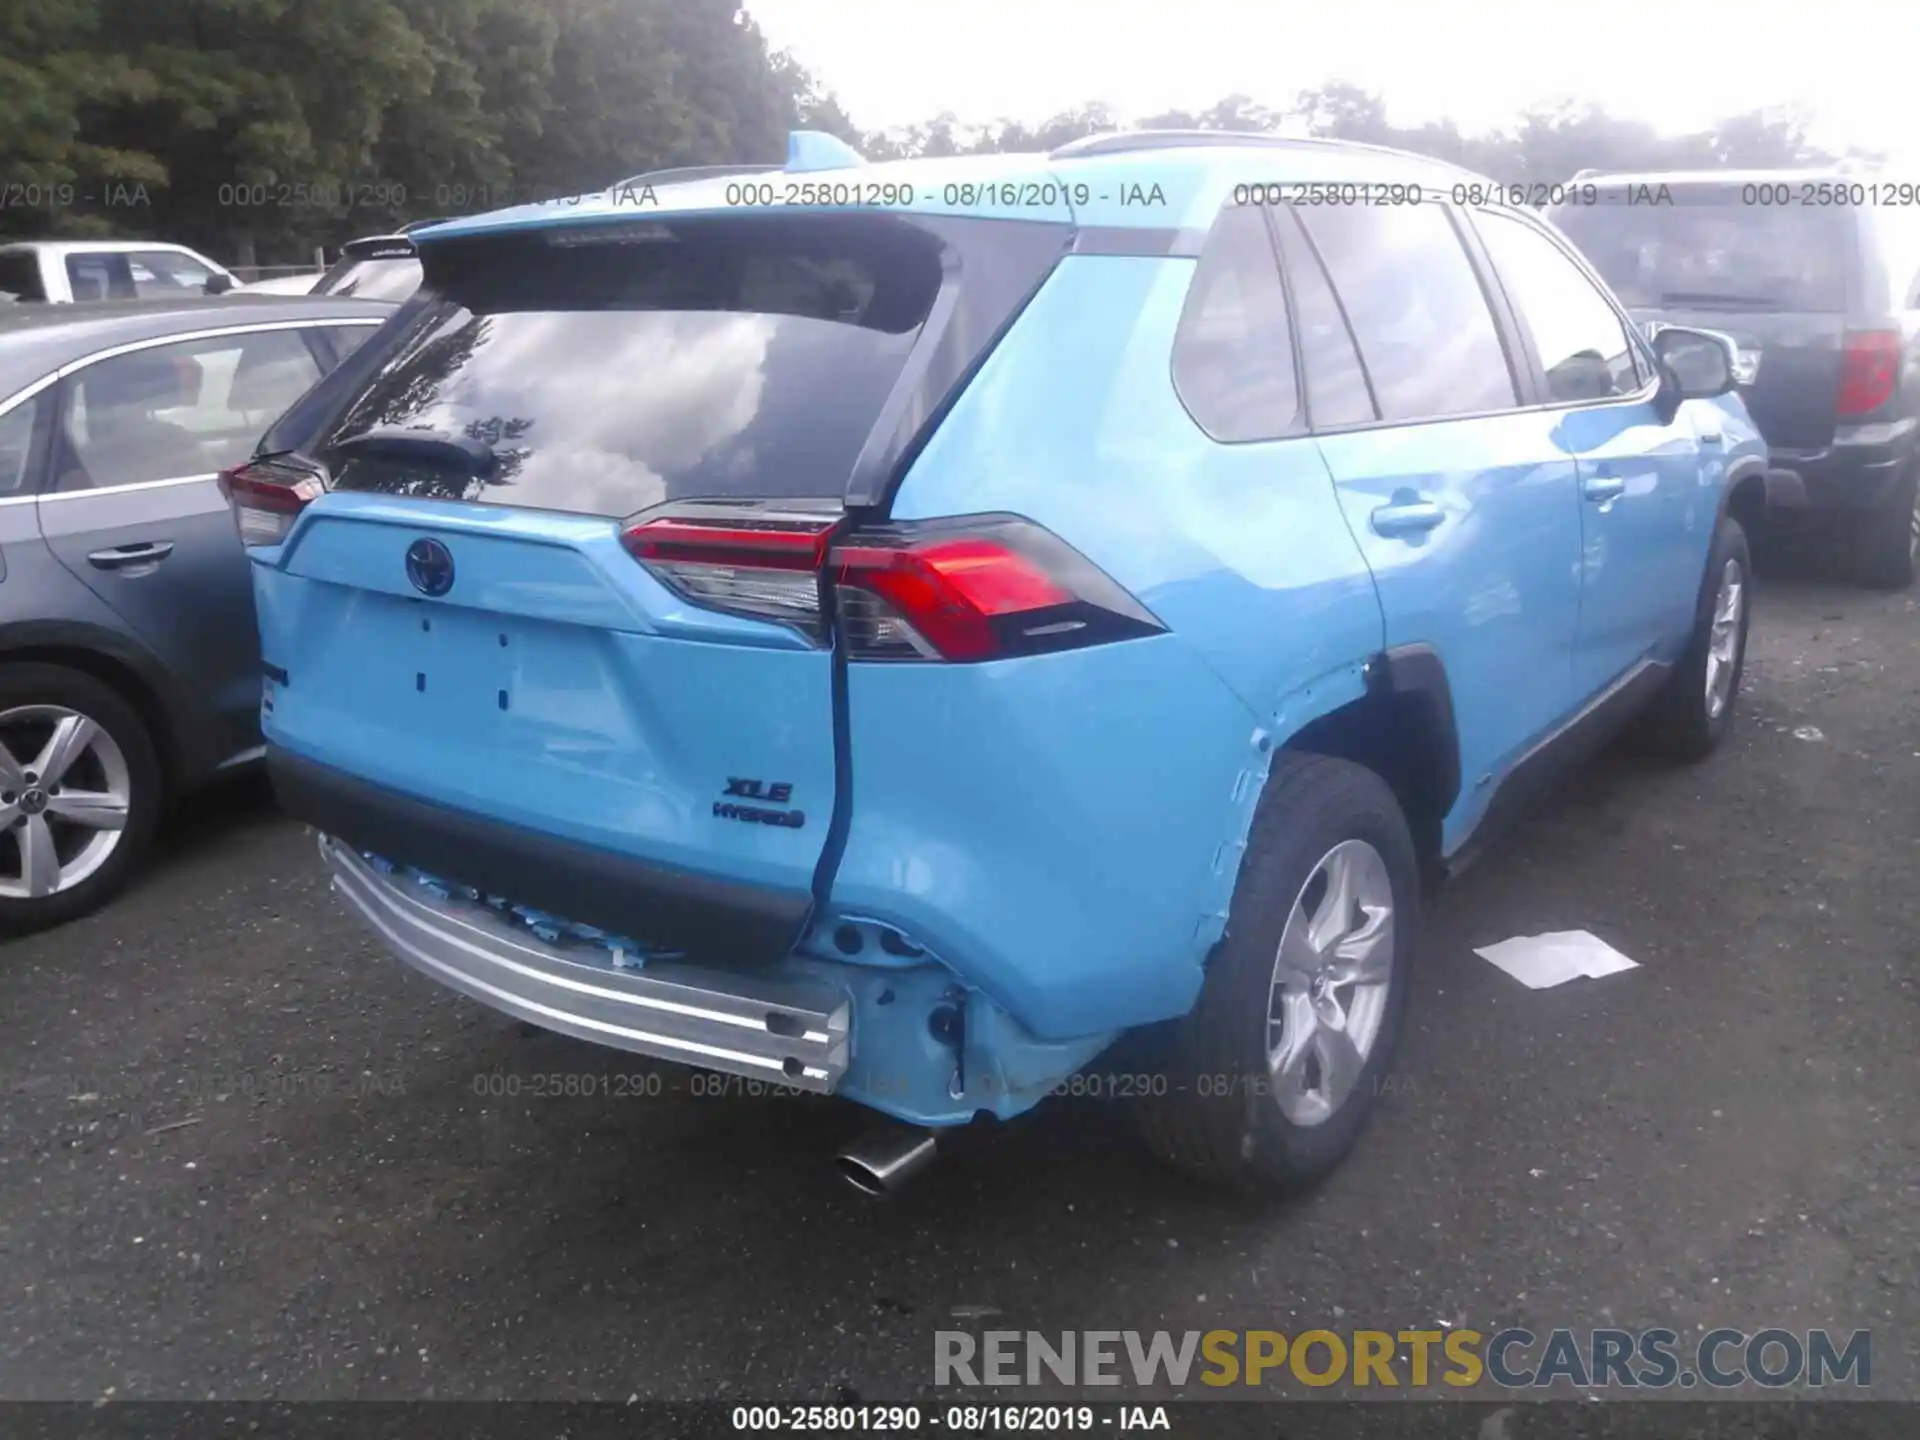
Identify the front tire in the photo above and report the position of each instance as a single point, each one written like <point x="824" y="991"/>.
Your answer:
<point x="1691" y="715"/>
<point x="80" y="795"/>
<point x="1274" y="1074"/>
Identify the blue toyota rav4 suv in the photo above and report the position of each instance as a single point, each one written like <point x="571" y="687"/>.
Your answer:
<point x="896" y="630"/>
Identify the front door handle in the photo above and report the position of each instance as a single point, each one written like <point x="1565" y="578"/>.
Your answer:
<point x="122" y="557"/>
<point x="1602" y="488"/>
<point x="1412" y="517"/>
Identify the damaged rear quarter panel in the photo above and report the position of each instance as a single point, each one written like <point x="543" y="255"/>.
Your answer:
<point x="1066" y="830"/>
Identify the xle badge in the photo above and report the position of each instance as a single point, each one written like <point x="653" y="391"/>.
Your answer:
<point x="776" y="792"/>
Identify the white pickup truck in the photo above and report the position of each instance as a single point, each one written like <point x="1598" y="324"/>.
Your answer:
<point x="66" y="270"/>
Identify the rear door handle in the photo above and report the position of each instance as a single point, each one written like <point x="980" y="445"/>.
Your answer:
<point x="1710" y="437"/>
<point x="1413" y="517"/>
<point x="121" y="557"/>
<point x="1602" y="488"/>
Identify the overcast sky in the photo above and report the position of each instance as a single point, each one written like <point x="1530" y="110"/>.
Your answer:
<point x="1679" y="65"/>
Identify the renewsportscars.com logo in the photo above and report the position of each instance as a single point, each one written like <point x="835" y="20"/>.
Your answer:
<point x="1513" y="1359"/>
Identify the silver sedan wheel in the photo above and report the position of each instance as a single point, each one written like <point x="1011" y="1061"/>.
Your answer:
<point x="64" y="799"/>
<point x="1330" y="982"/>
<point x="1723" y="640"/>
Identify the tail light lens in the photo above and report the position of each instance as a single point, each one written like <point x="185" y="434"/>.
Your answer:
<point x="1869" y="370"/>
<point x="268" y="495"/>
<point x="758" y="562"/>
<point x="979" y="588"/>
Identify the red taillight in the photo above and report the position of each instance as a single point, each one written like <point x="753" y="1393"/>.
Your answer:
<point x="266" y="499"/>
<point x="764" y="565"/>
<point x="983" y="587"/>
<point x="1869" y="369"/>
<point x="946" y="593"/>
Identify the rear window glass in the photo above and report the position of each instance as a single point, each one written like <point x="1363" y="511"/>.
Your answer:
<point x="614" y="368"/>
<point x="371" y="279"/>
<point x="1707" y="249"/>
<point x="20" y="276"/>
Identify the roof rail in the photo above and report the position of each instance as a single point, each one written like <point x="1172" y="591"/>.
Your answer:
<point x="1122" y="142"/>
<point x="689" y="172"/>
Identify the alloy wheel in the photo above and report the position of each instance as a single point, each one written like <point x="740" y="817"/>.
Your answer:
<point x="1328" y="998"/>
<point x="65" y="795"/>
<point x="1723" y="640"/>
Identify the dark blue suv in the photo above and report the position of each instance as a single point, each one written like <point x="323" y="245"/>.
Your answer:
<point x="896" y="630"/>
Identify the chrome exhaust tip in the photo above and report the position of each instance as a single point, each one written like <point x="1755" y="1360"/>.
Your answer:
<point x="883" y="1160"/>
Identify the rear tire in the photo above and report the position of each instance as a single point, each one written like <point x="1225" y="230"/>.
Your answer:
<point x="1886" y="542"/>
<point x="108" y="765"/>
<point x="1692" y="713"/>
<point x="1230" y="1114"/>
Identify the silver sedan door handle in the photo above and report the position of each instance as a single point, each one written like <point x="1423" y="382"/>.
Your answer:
<point x="122" y="557"/>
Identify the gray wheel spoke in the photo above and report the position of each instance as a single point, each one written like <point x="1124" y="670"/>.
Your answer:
<point x="1298" y="961"/>
<point x="12" y="776"/>
<point x="72" y="734"/>
<point x="1340" y="1061"/>
<point x="94" y="809"/>
<point x="1366" y="956"/>
<point x="39" y="861"/>
<point x="1334" y="918"/>
<point x="1287" y="1061"/>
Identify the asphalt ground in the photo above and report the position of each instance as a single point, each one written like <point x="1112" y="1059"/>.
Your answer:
<point x="246" y="1154"/>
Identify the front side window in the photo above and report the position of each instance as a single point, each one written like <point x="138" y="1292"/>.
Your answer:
<point x="173" y="411"/>
<point x="1417" y="311"/>
<point x="1583" y="347"/>
<point x="162" y="274"/>
<point x="1233" y="354"/>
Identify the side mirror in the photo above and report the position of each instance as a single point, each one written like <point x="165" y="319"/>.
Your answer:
<point x="219" y="284"/>
<point x="1698" y="363"/>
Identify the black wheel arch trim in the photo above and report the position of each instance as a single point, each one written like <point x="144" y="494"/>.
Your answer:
<point x="1417" y="671"/>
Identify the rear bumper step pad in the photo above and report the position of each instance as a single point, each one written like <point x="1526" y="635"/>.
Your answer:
<point x="783" y="1033"/>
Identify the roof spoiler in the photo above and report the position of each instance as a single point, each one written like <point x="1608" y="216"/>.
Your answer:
<point x="380" y="247"/>
<point x="817" y="150"/>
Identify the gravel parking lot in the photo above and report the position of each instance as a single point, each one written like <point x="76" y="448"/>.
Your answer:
<point x="245" y="1154"/>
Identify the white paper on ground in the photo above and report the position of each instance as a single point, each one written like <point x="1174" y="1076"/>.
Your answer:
<point x="1541" y="961"/>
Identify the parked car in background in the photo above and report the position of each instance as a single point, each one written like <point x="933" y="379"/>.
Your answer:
<point x="129" y="667"/>
<point x="67" y="270"/>
<point x="1816" y="277"/>
<point x="376" y="267"/>
<point x="899" y="653"/>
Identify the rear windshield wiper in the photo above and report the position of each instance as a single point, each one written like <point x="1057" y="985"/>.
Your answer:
<point x="455" y="452"/>
<point x="1723" y="297"/>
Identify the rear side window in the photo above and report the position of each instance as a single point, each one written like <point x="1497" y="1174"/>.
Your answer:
<point x="100" y="276"/>
<point x="1583" y="347"/>
<point x="1337" y="389"/>
<point x="613" y="368"/>
<point x="20" y="276"/>
<point x="172" y="411"/>
<point x="19" y="429"/>
<point x="1707" y="249"/>
<point x="1416" y="308"/>
<point x="1233" y="355"/>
